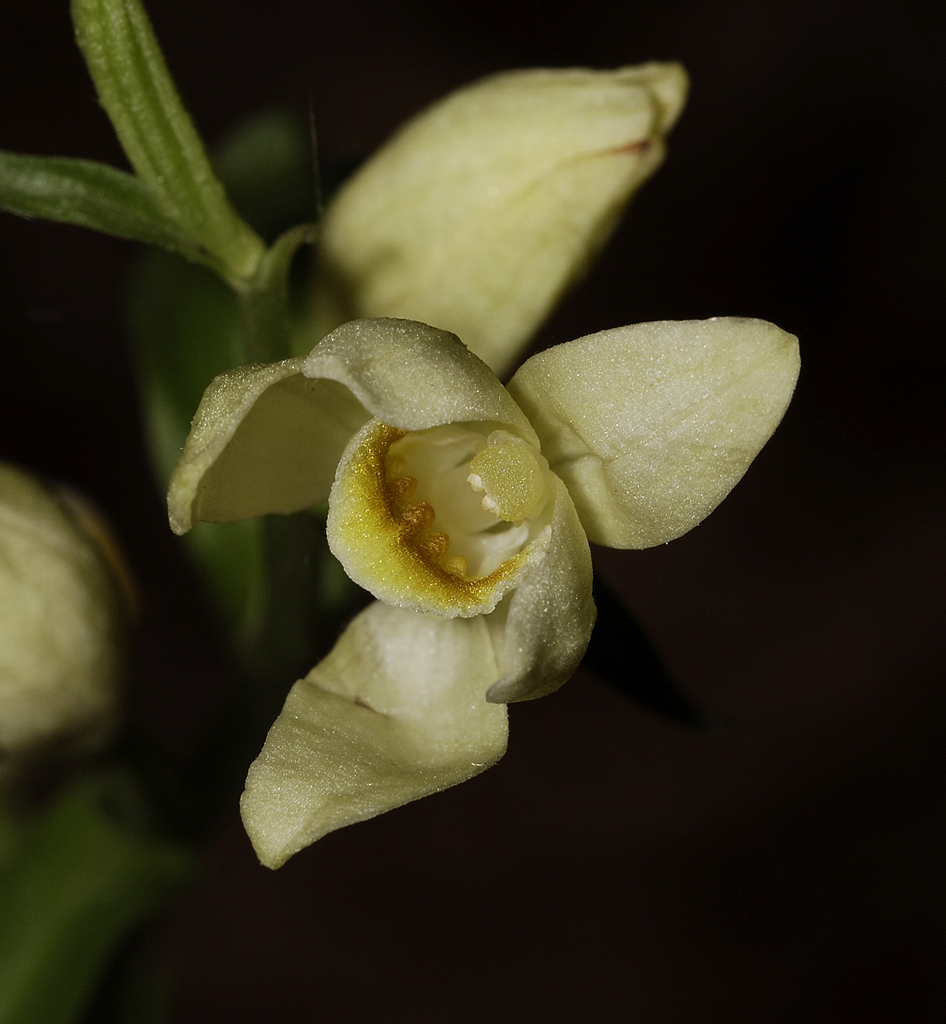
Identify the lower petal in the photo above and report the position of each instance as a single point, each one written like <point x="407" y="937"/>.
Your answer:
<point x="395" y="712"/>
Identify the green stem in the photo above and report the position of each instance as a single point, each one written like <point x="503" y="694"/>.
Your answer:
<point x="157" y="134"/>
<point x="264" y="299"/>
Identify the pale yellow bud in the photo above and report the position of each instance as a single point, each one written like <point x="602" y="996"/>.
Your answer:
<point x="480" y="212"/>
<point x="61" y="620"/>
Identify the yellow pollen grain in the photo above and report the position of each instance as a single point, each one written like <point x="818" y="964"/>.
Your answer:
<point x="456" y="565"/>
<point x="434" y="545"/>
<point x="402" y="487"/>
<point x="415" y="518"/>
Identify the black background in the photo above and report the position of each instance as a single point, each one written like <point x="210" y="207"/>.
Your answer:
<point x="613" y="867"/>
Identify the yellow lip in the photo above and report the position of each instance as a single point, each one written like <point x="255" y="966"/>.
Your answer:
<point x="389" y="544"/>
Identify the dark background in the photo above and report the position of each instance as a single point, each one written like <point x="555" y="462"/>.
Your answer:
<point x="614" y="867"/>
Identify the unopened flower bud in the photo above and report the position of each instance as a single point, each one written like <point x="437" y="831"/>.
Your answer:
<point x="480" y="212"/>
<point x="61" y="623"/>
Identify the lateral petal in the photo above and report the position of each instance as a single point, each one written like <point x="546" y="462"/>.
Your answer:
<point x="265" y="438"/>
<point x="651" y="426"/>
<point x="395" y="712"/>
<point x="541" y="630"/>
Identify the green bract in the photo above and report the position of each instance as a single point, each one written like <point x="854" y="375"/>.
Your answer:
<point x="465" y="508"/>
<point x="482" y="210"/>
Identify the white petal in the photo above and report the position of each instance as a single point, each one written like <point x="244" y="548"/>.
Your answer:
<point x="542" y="628"/>
<point x="481" y="211"/>
<point x="413" y="376"/>
<point x="395" y="712"/>
<point x="651" y="426"/>
<point x="264" y="439"/>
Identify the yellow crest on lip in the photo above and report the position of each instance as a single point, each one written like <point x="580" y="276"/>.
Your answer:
<point x="390" y="545"/>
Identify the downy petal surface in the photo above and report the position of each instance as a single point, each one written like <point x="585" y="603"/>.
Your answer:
<point x="397" y="711"/>
<point x="481" y="211"/>
<point x="466" y="509"/>
<point x="542" y="628"/>
<point x="265" y="439"/>
<point x="651" y="426"/>
<point x="412" y="376"/>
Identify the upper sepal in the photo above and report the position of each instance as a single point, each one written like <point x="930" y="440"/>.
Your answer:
<point x="651" y="426"/>
<point x="413" y="376"/>
<point x="268" y="438"/>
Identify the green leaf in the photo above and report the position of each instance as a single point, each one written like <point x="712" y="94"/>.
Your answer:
<point x="89" y="874"/>
<point x="90" y="194"/>
<point x="272" y="580"/>
<point x="187" y="329"/>
<point x="157" y="134"/>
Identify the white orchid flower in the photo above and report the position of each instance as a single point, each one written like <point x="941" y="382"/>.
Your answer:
<point x="63" y="619"/>
<point x="483" y="209"/>
<point x="465" y="508"/>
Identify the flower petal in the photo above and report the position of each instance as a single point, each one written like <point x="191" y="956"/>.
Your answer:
<point x="542" y="628"/>
<point x="395" y="712"/>
<point x="481" y="211"/>
<point x="413" y="376"/>
<point x="264" y="439"/>
<point x="651" y="426"/>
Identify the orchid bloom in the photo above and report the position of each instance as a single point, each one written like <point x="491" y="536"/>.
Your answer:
<point x="63" y="618"/>
<point x="465" y="508"/>
<point x="510" y="185"/>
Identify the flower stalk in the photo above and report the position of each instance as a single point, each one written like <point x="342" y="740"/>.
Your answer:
<point x="264" y="298"/>
<point x="158" y="136"/>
